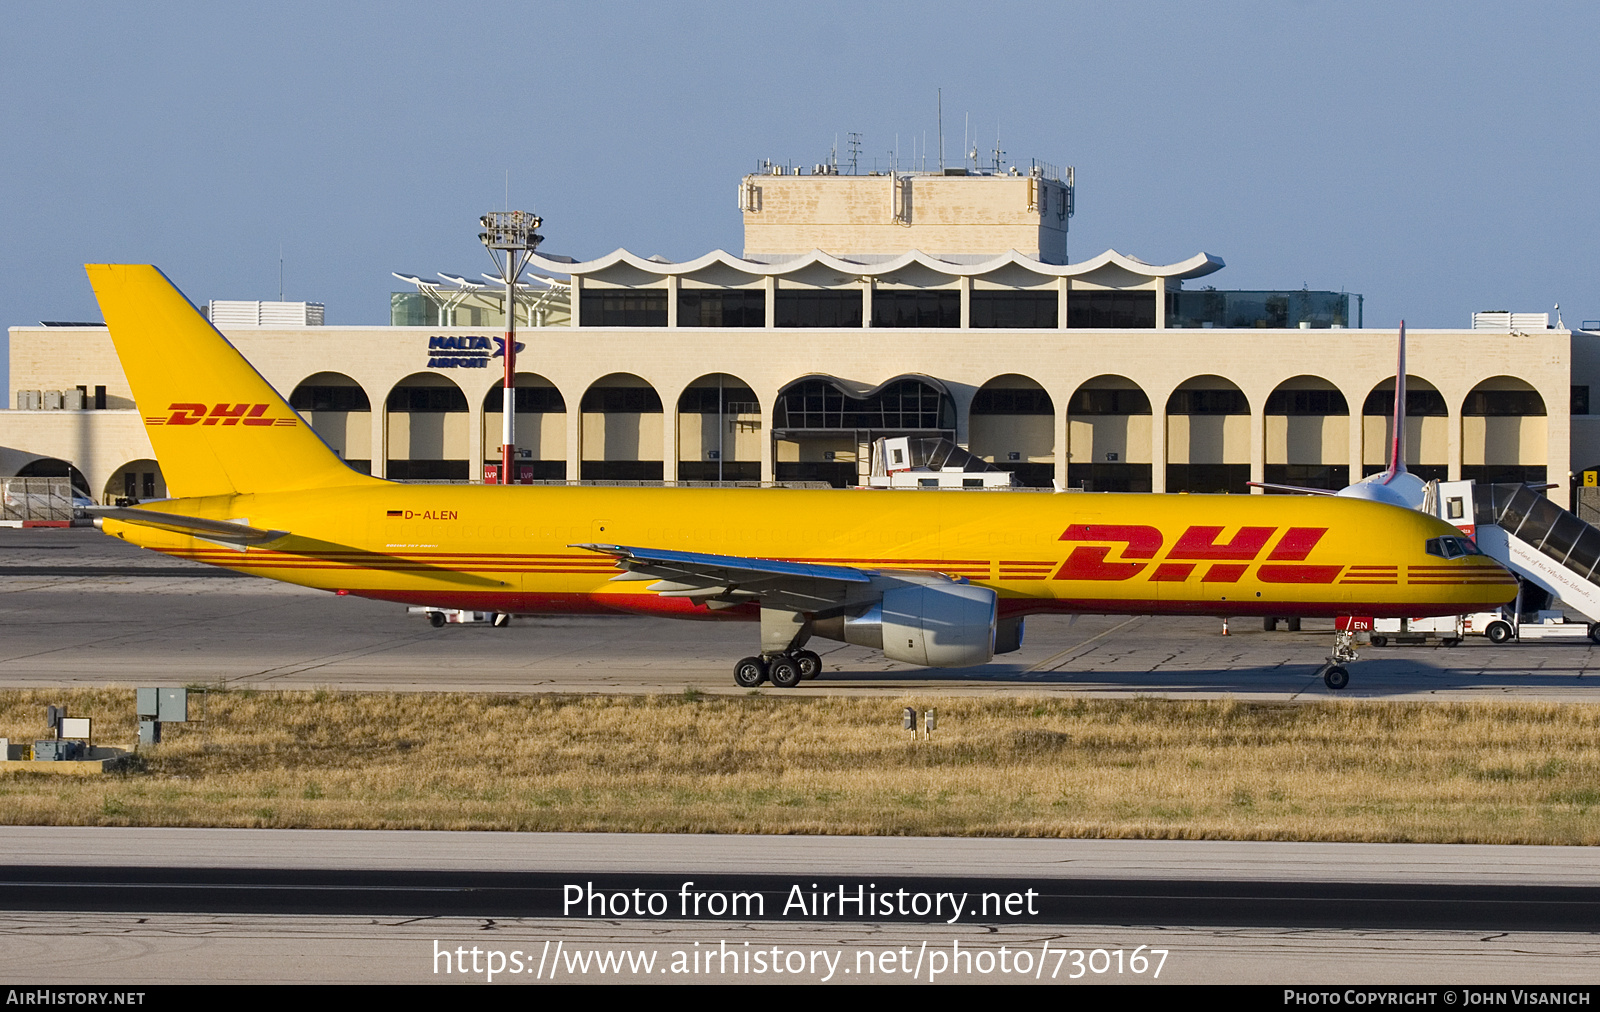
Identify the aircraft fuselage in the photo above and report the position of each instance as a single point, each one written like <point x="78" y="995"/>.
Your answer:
<point x="510" y="548"/>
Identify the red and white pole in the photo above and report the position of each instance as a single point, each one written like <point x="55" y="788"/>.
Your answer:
<point x="508" y="424"/>
<point x="510" y="232"/>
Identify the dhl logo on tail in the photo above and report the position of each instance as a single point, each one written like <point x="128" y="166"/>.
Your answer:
<point x="224" y="414"/>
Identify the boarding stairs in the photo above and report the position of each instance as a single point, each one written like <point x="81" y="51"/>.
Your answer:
<point x="1520" y="528"/>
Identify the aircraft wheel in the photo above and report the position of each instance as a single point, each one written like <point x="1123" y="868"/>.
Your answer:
<point x="436" y="619"/>
<point x="1294" y="625"/>
<point x="1380" y="641"/>
<point x="749" y="673"/>
<point x="783" y="671"/>
<point x="810" y="663"/>
<point x="1336" y="677"/>
<point x="1269" y="625"/>
<point x="1454" y="641"/>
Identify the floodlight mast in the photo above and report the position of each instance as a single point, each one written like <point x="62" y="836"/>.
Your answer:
<point x="510" y="232"/>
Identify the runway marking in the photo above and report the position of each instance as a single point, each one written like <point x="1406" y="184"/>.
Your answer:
<point x="1061" y="655"/>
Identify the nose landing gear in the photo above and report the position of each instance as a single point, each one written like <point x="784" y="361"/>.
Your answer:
<point x="1334" y="674"/>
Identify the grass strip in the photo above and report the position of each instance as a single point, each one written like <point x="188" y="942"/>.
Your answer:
<point x="1493" y="772"/>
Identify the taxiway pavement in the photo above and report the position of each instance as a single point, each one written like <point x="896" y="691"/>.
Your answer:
<point x="77" y="608"/>
<point x="198" y="905"/>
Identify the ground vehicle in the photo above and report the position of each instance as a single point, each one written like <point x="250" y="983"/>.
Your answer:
<point x="1445" y="629"/>
<point x="440" y="617"/>
<point x="1503" y="626"/>
<point x="938" y="580"/>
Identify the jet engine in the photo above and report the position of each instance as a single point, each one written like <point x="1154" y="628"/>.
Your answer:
<point x="943" y="626"/>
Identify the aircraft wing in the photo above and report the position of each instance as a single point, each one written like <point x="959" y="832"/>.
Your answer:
<point x="228" y="531"/>
<point x="724" y="581"/>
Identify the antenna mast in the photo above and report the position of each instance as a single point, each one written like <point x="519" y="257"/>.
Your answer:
<point x="511" y="233"/>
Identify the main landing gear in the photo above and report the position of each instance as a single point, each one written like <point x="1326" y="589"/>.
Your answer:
<point x="785" y="670"/>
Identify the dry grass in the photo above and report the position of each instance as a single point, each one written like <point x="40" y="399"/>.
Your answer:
<point x="1003" y="766"/>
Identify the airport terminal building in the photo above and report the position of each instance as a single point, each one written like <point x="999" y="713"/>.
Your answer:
<point x="861" y="306"/>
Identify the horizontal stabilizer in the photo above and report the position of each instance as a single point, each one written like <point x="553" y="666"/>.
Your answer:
<point x="229" y="531"/>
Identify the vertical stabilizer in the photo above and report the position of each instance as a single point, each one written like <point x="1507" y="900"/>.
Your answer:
<point x="1396" y="485"/>
<point x="216" y="425"/>
<point x="1397" y="450"/>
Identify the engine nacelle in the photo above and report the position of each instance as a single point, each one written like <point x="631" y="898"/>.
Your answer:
<point x="943" y="626"/>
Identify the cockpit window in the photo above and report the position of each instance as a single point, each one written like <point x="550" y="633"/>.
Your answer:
<point x="1452" y="548"/>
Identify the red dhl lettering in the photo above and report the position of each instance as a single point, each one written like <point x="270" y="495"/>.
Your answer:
<point x="1201" y="543"/>
<point x="1231" y="559"/>
<point x="1090" y="563"/>
<point x="186" y="414"/>
<point x="218" y="414"/>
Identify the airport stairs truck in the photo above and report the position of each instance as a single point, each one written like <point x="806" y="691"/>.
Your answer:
<point x="1549" y="549"/>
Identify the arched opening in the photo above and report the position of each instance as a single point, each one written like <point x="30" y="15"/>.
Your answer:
<point x="50" y="467"/>
<point x="337" y="409"/>
<point x="137" y="479"/>
<point x="1427" y="442"/>
<point x="1108" y="436"/>
<point x="719" y="430"/>
<point x="539" y="413"/>
<point x="43" y="489"/>
<point x="1208" y="437"/>
<point x="1012" y="424"/>
<point x="1308" y="434"/>
<point x="823" y="427"/>
<point x="426" y="421"/>
<point x="1504" y="432"/>
<point x="621" y="430"/>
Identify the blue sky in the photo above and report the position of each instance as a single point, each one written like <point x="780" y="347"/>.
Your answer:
<point x="1436" y="157"/>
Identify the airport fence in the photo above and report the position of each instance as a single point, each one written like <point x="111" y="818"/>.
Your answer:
<point x="36" y="499"/>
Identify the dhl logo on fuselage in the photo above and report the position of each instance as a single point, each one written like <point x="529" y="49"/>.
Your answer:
<point x="218" y="414"/>
<point x="1223" y="561"/>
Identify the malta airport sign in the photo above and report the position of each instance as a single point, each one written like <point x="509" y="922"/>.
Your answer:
<point x="466" y="352"/>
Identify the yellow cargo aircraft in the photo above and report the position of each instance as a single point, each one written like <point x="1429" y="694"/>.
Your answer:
<point x="939" y="579"/>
